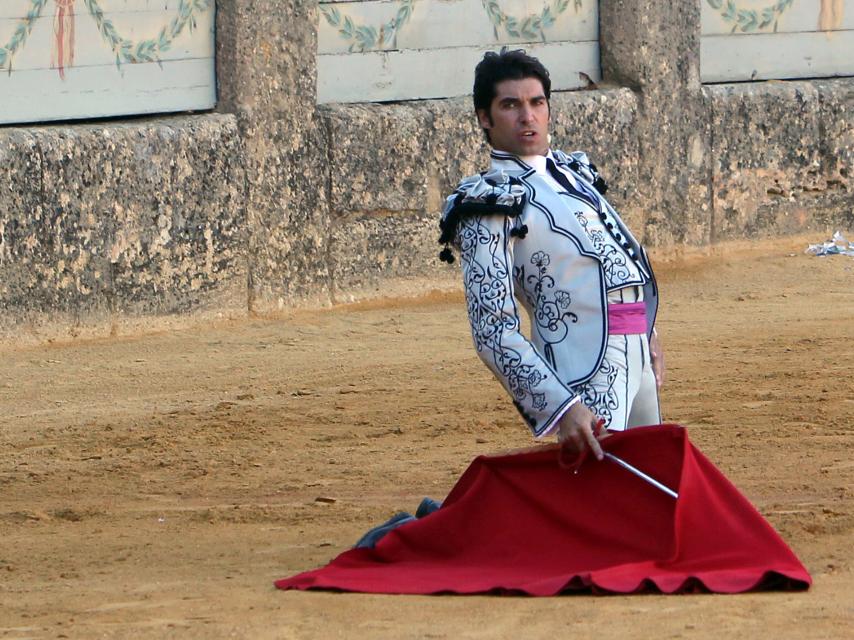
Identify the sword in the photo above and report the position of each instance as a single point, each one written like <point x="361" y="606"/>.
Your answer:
<point x="640" y="474"/>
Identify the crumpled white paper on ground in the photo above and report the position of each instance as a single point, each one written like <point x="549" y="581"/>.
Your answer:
<point x="837" y="245"/>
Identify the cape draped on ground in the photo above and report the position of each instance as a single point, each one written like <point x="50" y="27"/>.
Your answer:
<point x="521" y="523"/>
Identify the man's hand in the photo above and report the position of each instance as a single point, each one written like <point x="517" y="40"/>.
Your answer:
<point x="577" y="430"/>
<point x="657" y="356"/>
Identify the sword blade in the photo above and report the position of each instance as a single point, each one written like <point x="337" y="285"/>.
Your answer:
<point x="640" y="474"/>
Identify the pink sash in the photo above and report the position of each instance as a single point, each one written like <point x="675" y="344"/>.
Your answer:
<point x="626" y="318"/>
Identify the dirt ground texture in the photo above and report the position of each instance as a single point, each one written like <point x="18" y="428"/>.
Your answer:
<point x="155" y="486"/>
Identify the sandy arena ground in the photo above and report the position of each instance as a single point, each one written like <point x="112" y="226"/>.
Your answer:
<point x="155" y="486"/>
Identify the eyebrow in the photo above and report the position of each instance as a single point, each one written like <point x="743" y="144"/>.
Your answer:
<point x="506" y="99"/>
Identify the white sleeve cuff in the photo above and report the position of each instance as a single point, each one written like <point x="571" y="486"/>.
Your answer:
<point x="553" y="426"/>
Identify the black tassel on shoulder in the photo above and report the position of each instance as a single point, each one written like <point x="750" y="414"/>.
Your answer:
<point x="599" y="185"/>
<point x="460" y="209"/>
<point x="519" y="232"/>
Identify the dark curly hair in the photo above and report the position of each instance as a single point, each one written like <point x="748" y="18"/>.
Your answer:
<point x="506" y="65"/>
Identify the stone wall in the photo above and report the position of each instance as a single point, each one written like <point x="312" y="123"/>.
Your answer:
<point x="108" y="222"/>
<point x="267" y="79"/>
<point x="781" y="157"/>
<point x="274" y="202"/>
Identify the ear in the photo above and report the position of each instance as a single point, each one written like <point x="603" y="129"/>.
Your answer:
<point x="485" y="119"/>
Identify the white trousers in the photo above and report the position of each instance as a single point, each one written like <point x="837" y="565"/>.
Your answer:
<point x="623" y="391"/>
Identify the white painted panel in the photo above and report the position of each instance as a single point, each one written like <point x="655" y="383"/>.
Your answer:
<point x="19" y="8"/>
<point x="776" y="55"/>
<point x="34" y="98"/>
<point x="435" y="24"/>
<point x="438" y="73"/>
<point x="382" y="50"/>
<point x="91" y="49"/>
<point x="800" y="15"/>
<point x="165" y="49"/>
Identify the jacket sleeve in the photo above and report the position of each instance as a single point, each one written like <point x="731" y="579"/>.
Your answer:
<point x="486" y="255"/>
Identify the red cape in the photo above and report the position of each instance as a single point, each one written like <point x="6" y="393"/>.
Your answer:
<point x="522" y="523"/>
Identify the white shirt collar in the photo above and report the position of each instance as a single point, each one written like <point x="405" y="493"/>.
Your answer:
<point x="508" y="161"/>
<point x="538" y="163"/>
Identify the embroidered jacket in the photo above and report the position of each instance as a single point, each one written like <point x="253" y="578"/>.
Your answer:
<point x="521" y="240"/>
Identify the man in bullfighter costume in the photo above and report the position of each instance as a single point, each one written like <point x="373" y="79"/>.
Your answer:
<point x="535" y="229"/>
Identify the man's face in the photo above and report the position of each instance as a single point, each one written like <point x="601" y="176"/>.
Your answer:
<point x="518" y="118"/>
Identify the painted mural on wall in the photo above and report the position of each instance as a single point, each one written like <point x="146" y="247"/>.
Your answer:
<point x="760" y="40"/>
<point x="366" y="37"/>
<point x="750" y="19"/>
<point x="173" y="36"/>
<point x="374" y="50"/>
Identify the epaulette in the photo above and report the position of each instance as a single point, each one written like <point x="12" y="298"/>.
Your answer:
<point x="580" y="164"/>
<point x="492" y="193"/>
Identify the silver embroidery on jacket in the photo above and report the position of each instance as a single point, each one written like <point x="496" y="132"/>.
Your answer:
<point x="551" y="316"/>
<point x="613" y="261"/>
<point x="487" y="290"/>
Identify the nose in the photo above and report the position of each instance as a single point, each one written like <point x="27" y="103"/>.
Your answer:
<point x="526" y="113"/>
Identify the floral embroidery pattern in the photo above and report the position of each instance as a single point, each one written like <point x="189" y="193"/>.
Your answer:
<point x="598" y="393"/>
<point x="487" y="286"/>
<point x="613" y="261"/>
<point x="551" y="316"/>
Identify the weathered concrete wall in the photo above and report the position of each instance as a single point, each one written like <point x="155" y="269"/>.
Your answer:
<point x="782" y="157"/>
<point x="391" y="168"/>
<point x="275" y="202"/>
<point x="103" y="222"/>
<point x="654" y="48"/>
<point x="267" y="77"/>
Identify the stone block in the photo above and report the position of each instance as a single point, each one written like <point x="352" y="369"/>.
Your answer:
<point x="653" y="48"/>
<point x="767" y="158"/>
<point x="25" y="275"/>
<point x="367" y="252"/>
<point x="391" y="167"/>
<point x="103" y="221"/>
<point x="379" y="157"/>
<point x="836" y="123"/>
<point x="458" y="146"/>
<point x="287" y="214"/>
<point x="650" y="46"/>
<point x="266" y="68"/>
